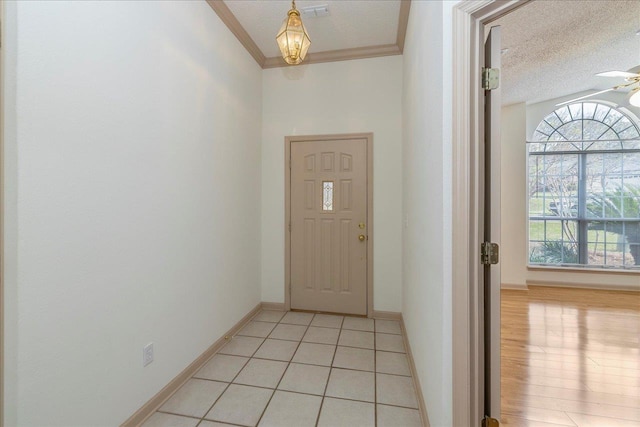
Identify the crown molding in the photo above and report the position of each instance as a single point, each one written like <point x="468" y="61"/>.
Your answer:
<point x="403" y="21"/>
<point x="338" y="55"/>
<point x="229" y="19"/>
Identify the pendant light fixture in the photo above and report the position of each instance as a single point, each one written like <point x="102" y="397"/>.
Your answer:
<point x="292" y="38"/>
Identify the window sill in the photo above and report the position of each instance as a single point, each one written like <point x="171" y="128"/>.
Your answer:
<point x="583" y="269"/>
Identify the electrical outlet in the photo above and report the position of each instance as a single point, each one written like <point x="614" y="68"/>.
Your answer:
<point x="147" y="354"/>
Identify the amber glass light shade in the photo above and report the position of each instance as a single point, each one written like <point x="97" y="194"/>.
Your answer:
<point x="293" y="39"/>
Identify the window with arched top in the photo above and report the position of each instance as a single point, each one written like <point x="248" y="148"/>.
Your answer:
<point x="584" y="187"/>
<point x="587" y="125"/>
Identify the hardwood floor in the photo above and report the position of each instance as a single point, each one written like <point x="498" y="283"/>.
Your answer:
<point x="570" y="357"/>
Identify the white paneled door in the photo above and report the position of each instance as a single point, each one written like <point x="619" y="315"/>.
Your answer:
<point x="329" y="225"/>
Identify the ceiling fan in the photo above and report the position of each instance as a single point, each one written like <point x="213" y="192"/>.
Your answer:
<point x="631" y="78"/>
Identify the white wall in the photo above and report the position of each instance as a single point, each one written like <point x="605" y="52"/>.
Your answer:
<point x="137" y="201"/>
<point x="427" y="168"/>
<point x="513" y="222"/>
<point x="10" y="213"/>
<point x="333" y="98"/>
<point x="518" y="124"/>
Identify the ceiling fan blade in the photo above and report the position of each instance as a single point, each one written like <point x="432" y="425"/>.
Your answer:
<point x="586" y="96"/>
<point x="624" y="74"/>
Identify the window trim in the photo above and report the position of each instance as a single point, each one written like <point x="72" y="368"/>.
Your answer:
<point x="581" y="219"/>
<point x="583" y="269"/>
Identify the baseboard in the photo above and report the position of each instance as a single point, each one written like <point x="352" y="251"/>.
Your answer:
<point x="414" y="373"/>
<point x="156" y="401"/>
<point x="514" y="286"/>
<point x="594" y="286"/>
<point x="273" y="306"/>
<point x="390" y="315"/>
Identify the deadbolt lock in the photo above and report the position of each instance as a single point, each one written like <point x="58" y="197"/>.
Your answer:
<point x="361" y="225"/>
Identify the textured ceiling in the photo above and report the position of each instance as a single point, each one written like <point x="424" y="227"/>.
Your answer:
<point x="557" y="47"/>
<point x="350" y="24"/>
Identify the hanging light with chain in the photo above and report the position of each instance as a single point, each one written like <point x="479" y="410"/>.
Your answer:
<point x="293" y="39"/>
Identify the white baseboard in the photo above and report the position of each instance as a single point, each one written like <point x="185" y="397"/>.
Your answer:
<point x="595" y="286"/>
<point x="390" y="315"/>
<point x="273" y="306"/>
<point x="422" y="407"/>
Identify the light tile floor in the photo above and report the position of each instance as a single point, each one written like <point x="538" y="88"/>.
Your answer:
<point x="300" y="369"/>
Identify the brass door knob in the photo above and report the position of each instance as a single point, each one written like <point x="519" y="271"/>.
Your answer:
<point x="361" y="237"/>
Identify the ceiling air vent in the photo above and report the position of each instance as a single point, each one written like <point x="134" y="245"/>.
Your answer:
<point x="314" y="11"/>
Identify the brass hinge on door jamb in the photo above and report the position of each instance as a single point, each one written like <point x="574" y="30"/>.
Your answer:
<point x="490" y="78"/>
<point x="490" y="422"/>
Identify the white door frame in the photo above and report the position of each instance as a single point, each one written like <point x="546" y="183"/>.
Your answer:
<point x="2" y="206"/>
<point x="287" y="209"/>
<point x="469" y="18"/>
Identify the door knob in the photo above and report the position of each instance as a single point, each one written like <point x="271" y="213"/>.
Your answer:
<point x="361" y="237"/>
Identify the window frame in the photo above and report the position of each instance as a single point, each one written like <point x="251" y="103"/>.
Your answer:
<point x="582" y="148"/>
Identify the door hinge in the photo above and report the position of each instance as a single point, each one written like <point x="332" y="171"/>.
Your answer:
<point x="289" y="163"/>
<point x="289" y="225"/>
<point x="490" y="422"/>
<point x="490" y="78"/>
<point x="489" y="253"/>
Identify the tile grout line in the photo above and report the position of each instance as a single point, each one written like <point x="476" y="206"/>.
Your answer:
<point x="571" y="419"/>
<point x="327" y="366"/>
<point x="311" y="342"/>
<point x="288" y="363"/>
<point x="285" y="369"/>
<point x="193" y="418"/>
<point x="194" y="377"/>
<point x="375" y="377"/>
<point x="313" y="395"/>
<point x="240" y="370"/>
<point x="209" y="421"/>
<point x="179" y="415"/>
<point x="316" y="395"/>
<point x="324" y="393"/>
<point x="205" y="362"/>
<point x="207" y="379"/>
<point x="228" y="385"/>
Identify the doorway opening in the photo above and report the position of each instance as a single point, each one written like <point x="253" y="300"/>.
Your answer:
<point x="568" y="216"/>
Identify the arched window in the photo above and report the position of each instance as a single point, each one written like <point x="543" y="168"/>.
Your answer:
<point x="584" y="188"/>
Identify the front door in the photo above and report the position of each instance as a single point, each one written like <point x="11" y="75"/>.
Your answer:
<point x="328" y="225"/>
